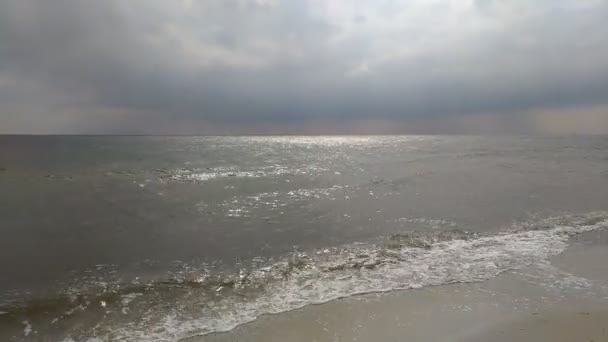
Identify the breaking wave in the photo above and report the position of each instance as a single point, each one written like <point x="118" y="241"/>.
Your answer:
<point x="202" y="301"/>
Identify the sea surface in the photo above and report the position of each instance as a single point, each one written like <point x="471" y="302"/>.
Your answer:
<point x="130" y="238"/>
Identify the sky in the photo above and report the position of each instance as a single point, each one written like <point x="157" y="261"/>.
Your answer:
<point x="303" y="67"/>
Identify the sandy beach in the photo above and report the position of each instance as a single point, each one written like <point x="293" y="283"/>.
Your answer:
<point x="566" y="326"/>
<point x="564" y="300"/>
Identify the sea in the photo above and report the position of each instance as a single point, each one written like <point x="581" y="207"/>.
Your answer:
<point x="161" y="238"/>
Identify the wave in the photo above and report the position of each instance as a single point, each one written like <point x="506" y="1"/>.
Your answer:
<point x="203" y="302"/>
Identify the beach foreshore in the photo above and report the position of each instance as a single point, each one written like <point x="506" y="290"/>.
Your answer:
<point x="565" y="299"/>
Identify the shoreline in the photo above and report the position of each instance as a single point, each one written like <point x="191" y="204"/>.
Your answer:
<point x="565" y="299"/>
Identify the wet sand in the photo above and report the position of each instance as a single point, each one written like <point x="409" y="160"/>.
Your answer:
<point x="566" y="300"/>
<point x="552" y="326"/>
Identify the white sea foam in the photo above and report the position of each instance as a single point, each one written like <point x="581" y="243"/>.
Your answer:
<point x="27" y="330"/>
<point x="340" y="272"/>
<point x="126" y="299"/>
<point x="551" y="277"/>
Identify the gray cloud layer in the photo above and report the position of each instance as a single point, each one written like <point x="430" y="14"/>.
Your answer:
<point x="273" y="66"/>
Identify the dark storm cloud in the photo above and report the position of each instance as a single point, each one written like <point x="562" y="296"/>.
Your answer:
<point x="199" y="66"/>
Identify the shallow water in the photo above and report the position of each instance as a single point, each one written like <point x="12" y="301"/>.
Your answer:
<point x="160" y="238"/>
